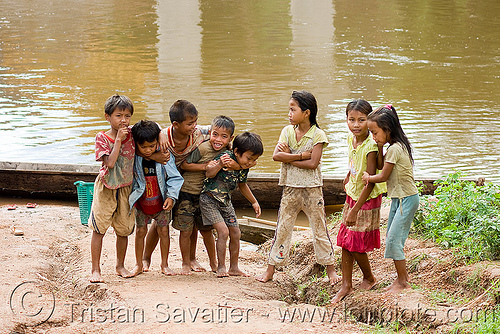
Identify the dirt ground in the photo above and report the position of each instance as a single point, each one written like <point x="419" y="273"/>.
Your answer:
<point x="45" y="286"/>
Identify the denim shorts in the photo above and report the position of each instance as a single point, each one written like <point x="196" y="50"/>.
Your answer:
<point x="398" y="225"/>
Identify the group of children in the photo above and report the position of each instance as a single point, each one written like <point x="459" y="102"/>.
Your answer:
<point x="185" y="173"/>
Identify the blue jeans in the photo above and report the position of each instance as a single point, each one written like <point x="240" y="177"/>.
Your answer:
<point x="398" y="225"/>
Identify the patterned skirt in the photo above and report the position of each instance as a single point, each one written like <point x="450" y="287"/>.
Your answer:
<point x="364" y="236"/>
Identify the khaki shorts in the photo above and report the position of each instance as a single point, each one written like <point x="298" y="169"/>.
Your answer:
<point x="187" y="213"/>
<point x="110" y="208"/>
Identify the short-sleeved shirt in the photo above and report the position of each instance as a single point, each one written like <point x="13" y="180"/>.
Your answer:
<point x="199" y="135"/>
<point x="193" y="181"/>
<point x="357" y="166"/>
<point x="122" y="173"/>
<point x="221" y="185"/>
<point x="400" y="183"/>
<point x="151" y="201"/>
<point x="293" y="176"/>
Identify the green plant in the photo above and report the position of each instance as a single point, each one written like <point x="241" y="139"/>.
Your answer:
<point x="463" y="217"/>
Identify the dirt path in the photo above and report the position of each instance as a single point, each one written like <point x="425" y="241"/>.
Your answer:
<point x="52" y="262"/>
<point x="45" y="287"/>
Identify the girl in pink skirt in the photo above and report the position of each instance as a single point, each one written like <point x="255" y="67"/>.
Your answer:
<point x="359" y="232"/>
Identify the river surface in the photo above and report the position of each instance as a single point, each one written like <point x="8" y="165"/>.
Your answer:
<point x="437" y="62"/>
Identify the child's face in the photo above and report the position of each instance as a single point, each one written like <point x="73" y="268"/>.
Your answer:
<point x="147" y="148"/>
<point x="220" y="138"/>
<point x="247" y="159"/>
<point x="187" y="126"/>
<point x="119" y="118"/>
<point x="295" y="114"/>
<point x="357" y="123"/>
<point x="379" y="135"/>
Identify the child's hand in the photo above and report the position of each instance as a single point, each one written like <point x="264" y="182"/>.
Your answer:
<point x="283" y="147"/>
<point x="162" y="142"/>
<point x="257" y="209"/>
<point x="168" y="205"/>
<point x="211" y="164"/>
<point x="122" y="133"/>
<point x="306" y="155"/>
<point x="227" y="162"/>
<point x="161" y="156"/>
<point x="366" y="178"/>
<point x="351" y="218"/>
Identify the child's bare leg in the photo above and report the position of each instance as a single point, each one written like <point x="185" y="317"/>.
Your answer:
<point x="234" y="251"/>
<point x="95" y="251"/>
<point x="347" y="267"/>
<point x="164" y="234"/>
<point x="185" y="246"/>
<point x="369" y="280"/>
<point x="195" y="266"/>
<point x="209" y="241"/>
<point x="121" y="251"/>
<point x="140" y="233"/>
<point x="220" y="245"/>
<point x="267" y="275"/>
<point x="151" y="242"/>
<point x="402" y="280"/>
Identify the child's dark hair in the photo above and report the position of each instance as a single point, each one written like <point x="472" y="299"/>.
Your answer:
<point x="387" y="119"/>
<point x="180" y="110"/>
<point x="248" y="141"/>
<point x="306" y="100"/>
<point x="120" y="102"/>
<point x="145" y="131"/>
<point x="360" y="105"/>
<point x="223" y="122"/>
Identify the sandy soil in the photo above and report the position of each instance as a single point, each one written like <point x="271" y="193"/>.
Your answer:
<point x="45" y="286"/>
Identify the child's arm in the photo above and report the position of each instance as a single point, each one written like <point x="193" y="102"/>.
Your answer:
<point x="371" y="162"/>
<point x="380" y="156"/>
<point x="194" y="167"/>
<point x="213" y="168"/>
<point x="380" y="177"/>
<point x="282" y="154"/>
<point x="174" y="183"/>
<point x="110" y="160"/>
<point x="245" y="190"/>
<point x="313" y="161"/>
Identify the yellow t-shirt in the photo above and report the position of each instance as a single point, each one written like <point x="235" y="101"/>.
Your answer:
<point x="400" y="183"/>
<point x="357" y="166"/>
<point x="293" y="176"/>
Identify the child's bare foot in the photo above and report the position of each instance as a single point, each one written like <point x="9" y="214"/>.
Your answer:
<point x="397" y="286"/>
<point x="222" y="272"/>
<point x="267" y="275"/>
<point x="96" y="277"/>
<point x="332" y="275"/>
<point x="195" y="266"/>
<point x="367" y="284"/>
<point x="167" y="271"/>
<point x="341" y="294"/>
<point x="145" y="265"/>
<point x="213" y="267"/>
<point x="136" y="271"/>
<point x="237" y="272"/>
<point x="185" y="270"/>
<point x="121" y="271"/>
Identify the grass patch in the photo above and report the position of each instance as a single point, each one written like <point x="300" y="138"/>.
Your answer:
<point x="463" y="217"/>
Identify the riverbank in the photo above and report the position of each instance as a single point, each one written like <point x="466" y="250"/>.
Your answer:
<point x="49" y="265"/>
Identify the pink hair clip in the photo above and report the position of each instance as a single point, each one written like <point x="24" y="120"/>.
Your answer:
<point x="388" y="106"/>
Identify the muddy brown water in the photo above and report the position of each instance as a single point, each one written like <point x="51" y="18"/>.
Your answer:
<point x="437" y="62"/>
